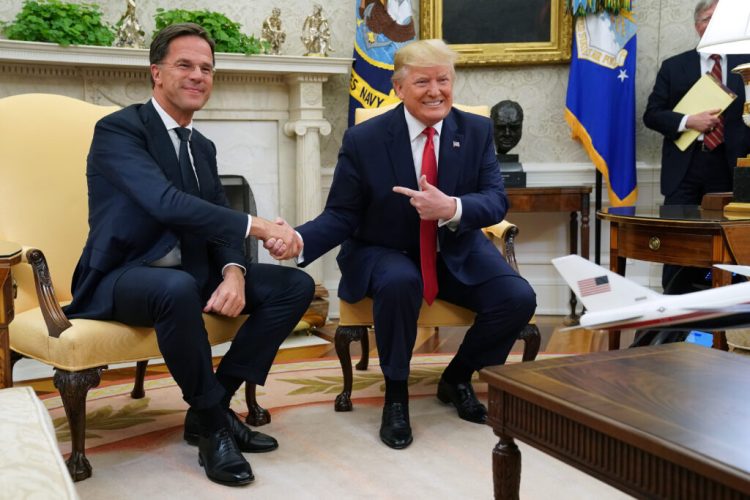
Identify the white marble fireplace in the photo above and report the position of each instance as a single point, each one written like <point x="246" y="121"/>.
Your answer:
<point x="265" y="114"/>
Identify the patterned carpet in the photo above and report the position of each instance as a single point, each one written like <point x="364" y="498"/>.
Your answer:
<point x="136" y="447"/>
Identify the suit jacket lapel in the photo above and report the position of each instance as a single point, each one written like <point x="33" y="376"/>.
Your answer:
<point x="449" y="161"/>
<point x="398" y="148"/>
<point x="160" y="144"/>
<point x="202" y="167"/>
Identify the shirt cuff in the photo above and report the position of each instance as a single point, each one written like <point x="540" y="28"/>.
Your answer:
<point x="454" y="221"/>
<point x="301" y="257"/>
<point x="249" y="225"/>
<point x="244" y="271"/>
<point x="683" y="123"/>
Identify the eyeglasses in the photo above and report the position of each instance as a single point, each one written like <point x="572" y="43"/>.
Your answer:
<point x="187" y="67"/>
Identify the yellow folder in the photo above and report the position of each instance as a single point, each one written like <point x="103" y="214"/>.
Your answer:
<point x="707" y="93"/>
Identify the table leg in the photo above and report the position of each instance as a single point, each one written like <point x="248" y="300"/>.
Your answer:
<point x="506" y="468"/>
<point x="616" y="264"/>
<point x="720" y="278"/>
<point x="572" y="318"/>
<point x="6" y="316"/>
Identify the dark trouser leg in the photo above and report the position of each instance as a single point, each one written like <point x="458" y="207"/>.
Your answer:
<point x="169" y="300"/>
<point x="396" y="290"/>
<point x="276" y="299"/>
<point x="504" y="305"/>
<point x="707" y="173"/>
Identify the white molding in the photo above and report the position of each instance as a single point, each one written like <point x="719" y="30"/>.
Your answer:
<point x="128" y="58"/>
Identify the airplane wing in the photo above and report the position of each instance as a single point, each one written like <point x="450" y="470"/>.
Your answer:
<point x="743" y="270"/>
<point x="600" y="289"/>
<point x="732" y="309"/>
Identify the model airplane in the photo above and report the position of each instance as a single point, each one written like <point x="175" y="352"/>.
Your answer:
<point x="614" y="302"/>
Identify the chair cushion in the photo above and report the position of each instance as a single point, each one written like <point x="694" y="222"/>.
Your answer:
<point x="440" y="313"/>
<point x="31" y="464"/>
<point x="91" y="343"/>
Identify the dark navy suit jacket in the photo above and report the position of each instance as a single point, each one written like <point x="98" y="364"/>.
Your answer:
<point x="676" y="75"/>
<point x="368" y="219"/>
<point x="138" y="212"/>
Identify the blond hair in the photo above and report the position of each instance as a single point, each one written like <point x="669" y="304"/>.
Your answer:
<point x="423" y="54"/>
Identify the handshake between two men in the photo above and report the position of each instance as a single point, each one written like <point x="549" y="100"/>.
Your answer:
<point x="283" y="242"/>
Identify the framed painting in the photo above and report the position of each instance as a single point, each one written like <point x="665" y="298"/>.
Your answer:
<point x="500" y="32"/>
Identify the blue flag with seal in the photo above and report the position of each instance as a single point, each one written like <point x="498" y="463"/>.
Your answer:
<point x="383" y="26"/>
<point x="600" y="105"/>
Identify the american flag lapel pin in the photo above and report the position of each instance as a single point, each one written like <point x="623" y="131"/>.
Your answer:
<point x="456" y="144"/>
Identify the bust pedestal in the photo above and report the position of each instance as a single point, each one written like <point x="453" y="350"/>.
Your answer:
<point x="511" y="171"/>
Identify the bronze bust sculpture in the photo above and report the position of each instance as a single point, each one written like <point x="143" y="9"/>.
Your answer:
<point x="507" y="119"/>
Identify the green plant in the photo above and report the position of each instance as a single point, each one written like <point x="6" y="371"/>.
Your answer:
<point x="225" y="32"/>
<point x="58" y="22"/>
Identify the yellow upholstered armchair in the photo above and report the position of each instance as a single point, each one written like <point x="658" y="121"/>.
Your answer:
<point x="356" y="318"/>
<point x="44" y="140"/>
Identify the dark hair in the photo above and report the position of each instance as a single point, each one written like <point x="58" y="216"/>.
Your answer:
<point x="160" y="44"/>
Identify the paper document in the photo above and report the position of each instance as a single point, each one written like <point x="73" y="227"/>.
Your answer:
<point x="707" y="93"/>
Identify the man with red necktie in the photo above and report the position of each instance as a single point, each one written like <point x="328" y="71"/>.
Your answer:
<point x="707" y="165"/>
<point x="412" y="190"/>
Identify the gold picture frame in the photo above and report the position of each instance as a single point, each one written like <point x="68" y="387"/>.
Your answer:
<point x="500" y="32"/>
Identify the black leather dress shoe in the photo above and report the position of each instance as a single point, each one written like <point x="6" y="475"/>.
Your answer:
<point x="462" y="396"/>
<point x="395" y="430"/>
<point x="247" y="440"/>
<point x="222" y="460"/>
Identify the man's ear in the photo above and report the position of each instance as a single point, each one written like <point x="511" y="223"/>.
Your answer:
<point x="398" y="88"/>
<point x="155" y="73"/>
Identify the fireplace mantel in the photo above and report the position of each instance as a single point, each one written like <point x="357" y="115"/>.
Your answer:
<point x="266" y="112"/>
<point x="128" y="58"/>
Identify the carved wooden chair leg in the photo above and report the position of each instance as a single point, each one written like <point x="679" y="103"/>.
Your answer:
<point x="364" y="360"/>
<point x="345" y="335"/>
<point x="532" y="340"/>
<point x="73" y="387"/>
<point x="256" y="415"/>
<point x="140" y="376"/>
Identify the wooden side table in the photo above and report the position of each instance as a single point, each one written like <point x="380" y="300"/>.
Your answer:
<point x="10" y="254"/>
<point x="683" y="235"/>
<point x="572" y="199"/>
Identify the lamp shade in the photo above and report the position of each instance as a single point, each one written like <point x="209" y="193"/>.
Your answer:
<point x="728" y="32"/>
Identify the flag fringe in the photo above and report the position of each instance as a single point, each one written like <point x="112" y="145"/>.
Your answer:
<point x="578" y="131"/>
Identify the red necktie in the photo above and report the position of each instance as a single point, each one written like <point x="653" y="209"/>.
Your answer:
<point x="428" y="228"/>
<point x="716" y="136"/>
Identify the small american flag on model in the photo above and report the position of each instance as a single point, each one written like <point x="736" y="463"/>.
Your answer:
<point x="593" y="286"/>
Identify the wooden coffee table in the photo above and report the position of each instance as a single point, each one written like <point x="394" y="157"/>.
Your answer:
<point x="669" y="421"/>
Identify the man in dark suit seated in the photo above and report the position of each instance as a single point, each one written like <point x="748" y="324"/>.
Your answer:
<point x="411" y="192"/>
<point x="707" y="165"/>
<point x="163" y="248"/>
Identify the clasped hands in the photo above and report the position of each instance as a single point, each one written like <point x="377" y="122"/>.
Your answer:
<point x="282" y="241"/>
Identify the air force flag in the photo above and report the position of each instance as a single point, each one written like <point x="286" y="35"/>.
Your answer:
<point x="600" y="105"/>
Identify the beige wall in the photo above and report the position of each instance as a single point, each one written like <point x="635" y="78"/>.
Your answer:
<point x="665" y="28"/>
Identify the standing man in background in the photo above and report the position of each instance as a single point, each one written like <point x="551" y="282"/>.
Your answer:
<point x="707" y="165"/>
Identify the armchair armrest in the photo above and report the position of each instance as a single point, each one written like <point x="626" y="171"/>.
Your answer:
<point x="503" y="235"/>
<point x="54" y="317"/>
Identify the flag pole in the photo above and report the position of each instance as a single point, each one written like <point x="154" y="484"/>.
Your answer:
<point x="597" y="221"/>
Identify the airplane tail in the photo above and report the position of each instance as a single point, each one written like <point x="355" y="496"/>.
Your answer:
<point x="598" y="288"/>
